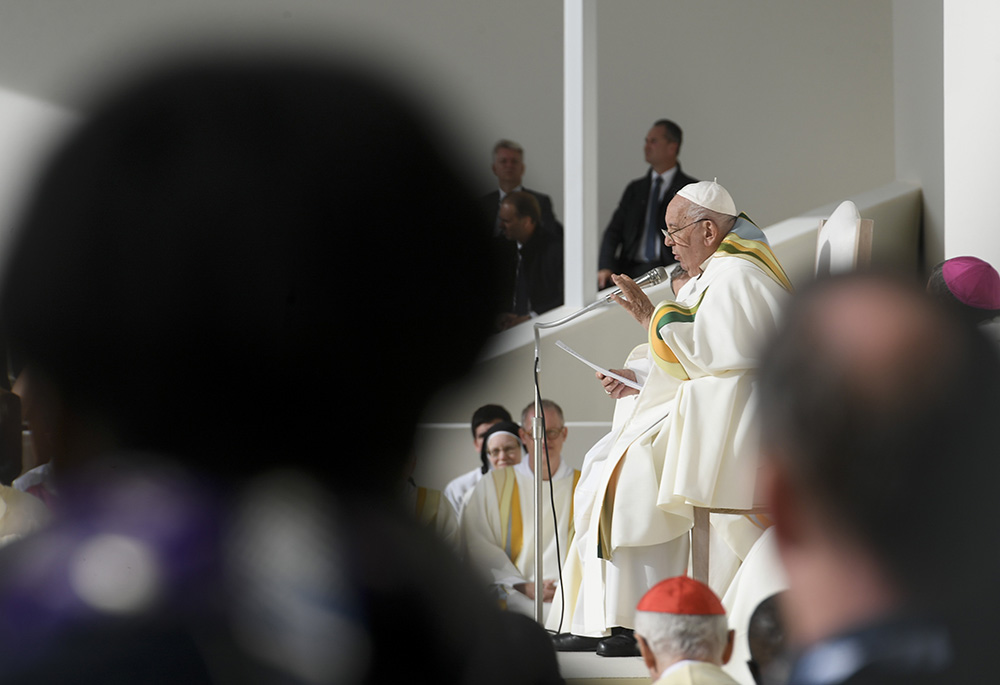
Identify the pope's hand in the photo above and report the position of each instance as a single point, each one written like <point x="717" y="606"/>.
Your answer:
<point x="616" y="388"/>
<point x="633" y="300"/>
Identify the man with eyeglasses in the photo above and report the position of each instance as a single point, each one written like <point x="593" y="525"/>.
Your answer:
<point x="687" y="437"/>
<point x="497" y="524"/>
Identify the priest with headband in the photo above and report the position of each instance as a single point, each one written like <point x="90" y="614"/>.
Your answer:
<point x="687" y="438"/>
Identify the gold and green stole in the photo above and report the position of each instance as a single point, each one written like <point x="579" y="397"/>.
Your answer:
<point x="744" y="241"/>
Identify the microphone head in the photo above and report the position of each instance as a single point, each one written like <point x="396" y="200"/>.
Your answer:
<point x="657" y="275"/>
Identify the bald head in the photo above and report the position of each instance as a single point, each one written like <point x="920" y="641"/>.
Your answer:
<point x="878" y="404"/>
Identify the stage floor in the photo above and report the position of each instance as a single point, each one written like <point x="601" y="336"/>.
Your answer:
<point x="586" y="668"/>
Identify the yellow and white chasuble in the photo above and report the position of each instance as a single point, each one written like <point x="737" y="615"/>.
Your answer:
<point x="687" y="439"/>
<point x="498" y="533"/>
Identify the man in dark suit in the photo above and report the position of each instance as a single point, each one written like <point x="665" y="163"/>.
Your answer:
<point x="633" y="243"/>
<point x="508" y="166"/>
<point x="533" y="281"/>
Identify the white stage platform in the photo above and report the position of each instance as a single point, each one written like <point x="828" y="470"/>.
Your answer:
<point x="586" y="668"/>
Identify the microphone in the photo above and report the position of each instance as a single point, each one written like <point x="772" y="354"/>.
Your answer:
<point x="651" y="277"/>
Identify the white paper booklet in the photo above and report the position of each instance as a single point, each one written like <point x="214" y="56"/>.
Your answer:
<point x="630" y="383"/>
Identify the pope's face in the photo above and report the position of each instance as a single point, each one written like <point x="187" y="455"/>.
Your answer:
<point x="503" y="449"/>
<point x="686" y="237"/>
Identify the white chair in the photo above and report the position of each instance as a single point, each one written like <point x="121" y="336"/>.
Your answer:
<point x="843" y="244"/>
<point x="844" y="241"/>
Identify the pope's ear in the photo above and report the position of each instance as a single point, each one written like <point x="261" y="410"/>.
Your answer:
<point x="712" y="232"/>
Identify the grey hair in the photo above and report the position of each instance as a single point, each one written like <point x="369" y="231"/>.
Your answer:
<point x="507" y="144"/>
<point x="702" y="638"/>
<point x="725" y="222"/>
<point x="546" y="404"/>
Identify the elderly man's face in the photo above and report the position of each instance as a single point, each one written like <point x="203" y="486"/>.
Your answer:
<point x="508" y="167"/>
<point x="686" y="237"/>
<point x="555" y="438"/>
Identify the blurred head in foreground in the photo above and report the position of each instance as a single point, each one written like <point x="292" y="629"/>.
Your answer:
<point x="198" y="273"/>
<point x="196" y="279"/>
<point x="878" y="412"/>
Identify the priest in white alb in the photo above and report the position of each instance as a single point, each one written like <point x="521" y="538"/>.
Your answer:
<point x="498" y="521"/>
<point x="687" y="438"/>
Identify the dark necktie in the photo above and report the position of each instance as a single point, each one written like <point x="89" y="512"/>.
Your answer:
<point x="652" y="251"/>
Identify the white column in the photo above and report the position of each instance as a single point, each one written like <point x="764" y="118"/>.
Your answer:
<point x="971" y="131"/>
<point x="580" y="149"/>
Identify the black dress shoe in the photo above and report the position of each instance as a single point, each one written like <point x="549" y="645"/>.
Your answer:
<point x="568" y="642"/>
<point x="622" y="644"/>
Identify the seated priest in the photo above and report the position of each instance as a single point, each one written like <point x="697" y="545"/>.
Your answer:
<point x="498" y="522"/>
<point x="687" y="437"/>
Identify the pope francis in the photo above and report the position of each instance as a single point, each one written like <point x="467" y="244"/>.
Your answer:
<point x="687" y="438"/>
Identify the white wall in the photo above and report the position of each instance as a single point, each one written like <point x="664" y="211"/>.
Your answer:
<point x="28" y="128"/>
<point x="491" y="69"/>
<point x="788" y="102"/>
<point x="971" y="133"/>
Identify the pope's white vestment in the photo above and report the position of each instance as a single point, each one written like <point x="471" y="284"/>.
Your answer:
<point x="687" y="439"/>
<point x="498" y="532"/>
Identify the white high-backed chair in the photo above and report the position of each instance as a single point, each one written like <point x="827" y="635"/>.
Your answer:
<point x="843" y="244"/>
<point x="844" y="241"/>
